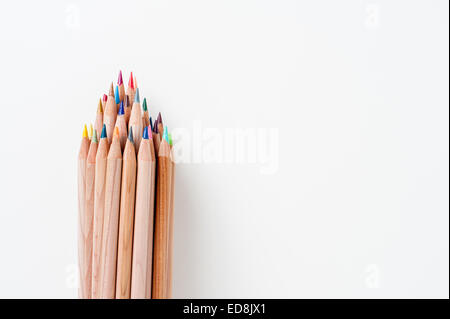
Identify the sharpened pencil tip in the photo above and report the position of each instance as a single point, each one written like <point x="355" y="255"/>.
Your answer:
<point x="170" y="139"/>
<point x="149" y="130"/>
<point x="145" y="134"/>
<point x="151" y="123"/>
<point x="131" y="81"/>
<point x="120" y="80"/>
<point x="136" y="96"/>
<point x="116" y="131"/>
<point x="117" y="95"/>
<point x="91" y="129"/>
<point x="85" y="131"/>
<point x="159" y="119"/>
<point x="103" y="131"/>
<point x="94" y="137"/>
<point x="105" y="97"/>
<point x="130" y="135"/>
<point x="111" y="89"/>
<point x="166" y="134"/>
<point x="121" y="109"/>
<point x="144" y="104"/>
<point x="100" y="107"/>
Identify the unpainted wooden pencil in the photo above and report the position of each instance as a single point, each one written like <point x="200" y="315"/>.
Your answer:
<point x="136" y="121"/>
<point x="141" y="277"/>
<point x="161" y="239"/>
<point x="111" y="218"/>
<point x="126" y="220"/>
<point x="121" y="124"/>
<point x="171" y="221"/>
<point x="83" y="291"/>
<point x="110" y="114"/>
<point x="99" y="209"/>
<point x="98" y="124"/>
<point x="89" y="213"/>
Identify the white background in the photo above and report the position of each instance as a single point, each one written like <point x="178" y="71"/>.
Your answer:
<point x="358" y="91"/>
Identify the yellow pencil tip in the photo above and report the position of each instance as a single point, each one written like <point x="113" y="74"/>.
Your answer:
<point x="116" y="131"/>
<point x="85" y="132"/>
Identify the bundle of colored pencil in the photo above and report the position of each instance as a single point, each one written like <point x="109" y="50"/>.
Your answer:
<point x="126" y="177"/>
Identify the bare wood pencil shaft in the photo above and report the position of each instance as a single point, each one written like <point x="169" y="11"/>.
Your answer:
<point x="82" y="222"/>
<point x="89" y="214"/>
<point x="141" y="277"/>
<point x="161" y="240"/>
<point x="126" y="223"/>
<point x="123" y="131"/>
<point x="171" y="221"/>
<point x="111" y="220"/>
<point x="99" y="208"/>
<point x="136" y="124"/>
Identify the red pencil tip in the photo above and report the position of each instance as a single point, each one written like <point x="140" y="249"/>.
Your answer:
<point x="105" y="97"/>
<point x="131" y="81"/>
<point x="120" y="80"/>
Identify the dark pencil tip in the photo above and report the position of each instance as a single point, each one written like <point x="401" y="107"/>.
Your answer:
<point x="130" y="135"/>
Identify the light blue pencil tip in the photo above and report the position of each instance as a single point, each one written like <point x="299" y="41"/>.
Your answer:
<point x="166" y="134"/>
<point x="136" y="96"/>
<point x="116" y="95"/>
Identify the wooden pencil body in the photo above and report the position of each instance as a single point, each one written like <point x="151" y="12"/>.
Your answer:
<point x="111" y="220"/>
<point x="86" y="276"/>
<point x="171" y="221"/>
<point x="99" y="208"/>
<point x="141" y="277"/>
<point x="161" y="239"/>
<point x="82" y="220"/>
<point x="126" y="223"/>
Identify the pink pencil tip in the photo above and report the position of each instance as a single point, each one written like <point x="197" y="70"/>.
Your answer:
<point x="120" y="80"/>
<point x="131" y="81"/>
<point x="105" y="97"/>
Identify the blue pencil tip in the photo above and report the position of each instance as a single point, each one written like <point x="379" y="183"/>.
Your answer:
<point x="103" y="131"/>
<point x="145" y="134"/>
<point x="130" y="135"/>
<point x="116" y="94"/>
<point x="121" y="110"/>
<point x="136" y="96"/>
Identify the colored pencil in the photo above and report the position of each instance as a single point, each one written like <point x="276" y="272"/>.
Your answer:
<point x="98" y="124"/>
<point x="161" y="240"/>
<point x="171" y="220"/>
<point x="111" y="218"/>
<point x="141" y="276"/>
<point x="99" y="209"/>
<point x="109" y="117"/>
<point x="83" y="224"/>
<point x="136" y="121"/>
<point x="145" y="116"/>
<point x="121" y="87"/>
<point x="131" y="90"/>
<point x="122" y="125"/>
<point x="126" y="221"/>
<point x="89" y="214"/>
